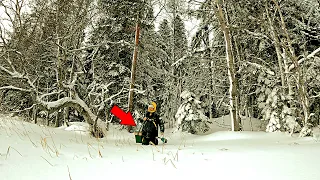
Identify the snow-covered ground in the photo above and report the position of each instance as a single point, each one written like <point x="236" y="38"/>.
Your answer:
<point x="33" y="152"/>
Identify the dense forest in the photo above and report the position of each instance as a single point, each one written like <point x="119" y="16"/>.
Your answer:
<point x="72" y="60"/>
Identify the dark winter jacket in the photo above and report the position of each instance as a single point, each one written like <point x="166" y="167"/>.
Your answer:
<point x="152" y="125"/>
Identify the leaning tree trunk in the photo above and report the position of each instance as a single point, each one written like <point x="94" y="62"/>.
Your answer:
<point x="77" y="103"/>
<point x="277" y="47"/>
<point x="231" y="68"/>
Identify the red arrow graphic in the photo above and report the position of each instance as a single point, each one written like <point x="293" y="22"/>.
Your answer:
<point x="126" y="118"/>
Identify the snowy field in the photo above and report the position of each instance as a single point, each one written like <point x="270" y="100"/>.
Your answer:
<point x="33" y="152"/>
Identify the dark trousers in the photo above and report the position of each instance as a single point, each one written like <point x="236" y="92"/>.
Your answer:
<point x="146" y="141"/>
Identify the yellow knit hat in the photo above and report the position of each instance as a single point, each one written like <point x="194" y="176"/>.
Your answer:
<point x="152" y="106"/>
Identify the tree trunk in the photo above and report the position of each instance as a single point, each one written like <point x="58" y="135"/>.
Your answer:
<point x="278" y="49"/>
<point x="213" y="87"/>
<point x="34" y="114"/>
<point x="66" y="116"/>
<point x="286" y="70"/>
<point x="238" y="100"/>
<point x="133" y="71"/>
<point x="231" y="68"/>
<point x="57" y="122"/>
<point x="300" y="82"/>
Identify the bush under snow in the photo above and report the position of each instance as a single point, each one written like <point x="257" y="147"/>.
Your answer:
<point x="277" y="112"/>
<point x="190" y="116"/>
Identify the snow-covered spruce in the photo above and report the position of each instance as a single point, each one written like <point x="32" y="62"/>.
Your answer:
<point x="190" y="116"/>
<point x="276" y="111"/>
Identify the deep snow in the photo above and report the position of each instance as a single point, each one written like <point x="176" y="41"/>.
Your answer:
<point x="34" y="152"/>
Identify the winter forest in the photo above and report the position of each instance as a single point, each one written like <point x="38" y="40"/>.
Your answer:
<point x="67" y="61"/>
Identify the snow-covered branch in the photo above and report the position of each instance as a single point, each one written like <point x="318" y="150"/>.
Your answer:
<point x="49" y="94"/>
<point x="121" y="42"/>
<point x="18" y="75"/>
<point x="303" y="59"/>
<point x="5" y="70"/>
<point x="77" y="103"/>
<point x="14" y="88"/>
<point x="259" y="35"/>
<point x="267" y="70"/>
<point x="102" y="104"/>
<point x="137" y="91"/>
<point x="71" y="85"/>
<point x="192" y="53"/>
<point x="180" y="60"/>
<point x="25" y="109"/>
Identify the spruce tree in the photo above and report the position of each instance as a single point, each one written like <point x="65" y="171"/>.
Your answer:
<point x="180" y="38"/>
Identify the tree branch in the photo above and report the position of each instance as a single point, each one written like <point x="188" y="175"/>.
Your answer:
<point x="267" y="70"/>
<point x="14" y="88"/>
<point x="49" y="94"/>
<point x="292" y="66"/>
<point x="6" y="71"/>
<point x="18" y="75"/>
<point x="259" y="35"/>
<point x="121" y="42"/>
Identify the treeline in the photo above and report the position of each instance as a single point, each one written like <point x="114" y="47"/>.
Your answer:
<point x="71" y="60"/>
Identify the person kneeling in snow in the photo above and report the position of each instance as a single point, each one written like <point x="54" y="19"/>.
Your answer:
<point x="151" y="122"/>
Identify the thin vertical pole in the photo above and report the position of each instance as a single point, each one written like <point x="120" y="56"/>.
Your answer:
<point x="133" y="71"/>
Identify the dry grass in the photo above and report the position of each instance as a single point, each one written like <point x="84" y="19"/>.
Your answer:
<point x="153" y="155"/>
<point x="154" y="146"/>
<point x="89" y="145"/>
<point x="54" y="145"/>
<point x="163" y="147"/>
<point x="62" y="145"/>
<point x="47" y="148"/>
<point x="183" y="142"/>
<point x="75" y="156"/>
<point x="31" y="141"/>
<point x="141" y="147"/>
<point x="176" y="156"/>
<point x="8" y="151"/>
<point x="19" y="135"/>
<point x="47" y="161"/>
<point x="69" y="173"/>
<point x="166" y="162"/>
<point x="98" y="150"/>
<point x="81" y="137"/>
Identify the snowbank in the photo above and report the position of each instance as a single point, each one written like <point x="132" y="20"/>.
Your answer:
<point x="78" y="126"/>
<point x="33" y="152"/>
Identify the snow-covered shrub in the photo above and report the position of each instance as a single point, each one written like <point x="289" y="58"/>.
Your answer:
<point x="277" y="107"/>
<point x="312" y="79"/>
<point x="276" y="110"/>
<point x="190" y="116"/>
